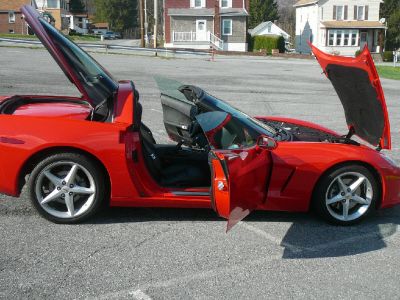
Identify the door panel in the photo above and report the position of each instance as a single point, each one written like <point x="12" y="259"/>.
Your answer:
<point x="240" y="168"/>
<point x="177" y="116"/>
<point x="239" y="183"/>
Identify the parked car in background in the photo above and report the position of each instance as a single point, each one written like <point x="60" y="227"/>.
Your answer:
<point x="109" y="35"/>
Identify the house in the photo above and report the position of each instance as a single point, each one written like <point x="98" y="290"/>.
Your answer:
<point x="199" y="24"/>
<point x="78" y="22"/>
<point x="58" y="10"/>
<point x="339" y="26"/>
<point x="269" y="28"/>
<point x="11" y="20"/>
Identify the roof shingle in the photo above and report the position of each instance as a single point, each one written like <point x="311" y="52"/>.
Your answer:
<point x="305" y="2"/>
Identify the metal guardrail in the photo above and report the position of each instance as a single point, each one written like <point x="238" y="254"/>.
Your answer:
<point x="106" y="47"/>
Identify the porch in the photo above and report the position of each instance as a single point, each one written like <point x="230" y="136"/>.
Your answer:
<point x="193" y="38"/>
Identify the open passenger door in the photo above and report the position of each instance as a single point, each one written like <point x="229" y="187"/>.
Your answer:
<point x="240" y="163"/>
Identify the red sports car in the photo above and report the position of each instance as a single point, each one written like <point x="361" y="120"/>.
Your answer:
<point x="83" y="153"/>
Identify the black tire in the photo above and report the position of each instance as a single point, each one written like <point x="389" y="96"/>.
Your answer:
<point x="329" y="189"/>
<point x="91" y="178"/>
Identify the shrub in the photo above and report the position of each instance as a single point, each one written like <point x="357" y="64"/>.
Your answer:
<point x="358" y="52"/>
<point x="268" y="43"/>
<point x="387" y="56"/>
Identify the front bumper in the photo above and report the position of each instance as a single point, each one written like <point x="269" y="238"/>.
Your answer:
<point x="390" y="186"/>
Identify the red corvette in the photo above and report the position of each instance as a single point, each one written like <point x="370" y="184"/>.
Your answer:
<point x="82" y="153"/>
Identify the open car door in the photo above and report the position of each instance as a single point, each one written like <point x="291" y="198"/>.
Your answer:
<point x="240" y="163"/>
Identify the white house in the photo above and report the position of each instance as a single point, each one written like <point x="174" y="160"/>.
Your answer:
<point x="339" y="26"/>
<point x="78" y="22"/>
<point x="268" y="28"/>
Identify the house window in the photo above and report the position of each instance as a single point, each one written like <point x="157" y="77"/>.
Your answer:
<point x="342" y="37"/>
<point x="53" y="3"/>
<point x="11" y="31"/>
<point x="339" y="12"/>
<point x="226" y="3"/>
<point x="338" y="38"/>
<point x="269" y="27"/>
<point x="331" y="41"/>
<point x="198" y="3"/>
<point x="11" y="17"/>
<point x="227" y="27"/>
<point x="360" y="12"/>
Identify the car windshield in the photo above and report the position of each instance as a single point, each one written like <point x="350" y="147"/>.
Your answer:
<point x="236" y="128"/>
<point x="97" y="82"/>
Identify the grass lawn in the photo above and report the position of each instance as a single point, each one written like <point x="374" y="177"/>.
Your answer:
<point x="389" y="72"/>
<point x="18" y="36"/>
<point x="77" y="38"/>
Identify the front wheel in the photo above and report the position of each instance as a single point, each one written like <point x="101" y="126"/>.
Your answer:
<point x="67" y="187"/>
<point x="346" y="195"/>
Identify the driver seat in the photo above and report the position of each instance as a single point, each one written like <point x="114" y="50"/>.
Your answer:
<point x="177" y="174"/>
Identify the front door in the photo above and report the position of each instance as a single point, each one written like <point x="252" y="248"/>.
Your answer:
<point x="240" y="165"/>
<point x="201" y="30"/>
<point x="363" y="39"/>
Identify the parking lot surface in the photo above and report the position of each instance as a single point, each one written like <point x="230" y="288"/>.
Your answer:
<point x="144" y="253"/>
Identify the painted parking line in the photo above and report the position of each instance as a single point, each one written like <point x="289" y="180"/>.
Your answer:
<point x="139" y="295"/>
<point x="188" y="278"/>
<point x="266" y="236"/>
<point x="383" y="233"/>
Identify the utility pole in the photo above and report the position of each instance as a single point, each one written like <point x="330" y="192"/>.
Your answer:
<point x="146" y="24"/>
<point x="141" y="5"/>
<point x="155" y="22"/>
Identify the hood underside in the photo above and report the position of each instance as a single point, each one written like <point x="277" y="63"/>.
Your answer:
<point x="357" y="84"/>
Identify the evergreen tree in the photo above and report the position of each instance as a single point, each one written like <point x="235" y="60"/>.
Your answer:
<point x="261" y="11"/>
<point x="120" y="14"/>
<point x="390" y="10"/>
<point x="76" y="6"/>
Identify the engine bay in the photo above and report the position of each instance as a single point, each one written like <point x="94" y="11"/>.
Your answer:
<point x="286" y="131"/>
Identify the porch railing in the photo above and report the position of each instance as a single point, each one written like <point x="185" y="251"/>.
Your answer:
<point x="191" y="36"/>
<point x="215" y="41"/>
<point x="184" y="36"/>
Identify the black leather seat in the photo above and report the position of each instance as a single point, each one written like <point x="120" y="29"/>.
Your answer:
<point x="184" y="173"/>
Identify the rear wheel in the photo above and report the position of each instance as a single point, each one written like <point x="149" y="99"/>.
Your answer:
<point x="67" y="187"/>
<point x="346" y="195"/>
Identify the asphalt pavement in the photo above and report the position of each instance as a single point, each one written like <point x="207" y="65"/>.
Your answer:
<point x="144" y="253"/>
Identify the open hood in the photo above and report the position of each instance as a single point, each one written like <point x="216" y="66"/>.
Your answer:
<point x="94" y="82"/>
<point x="357" y="84"/>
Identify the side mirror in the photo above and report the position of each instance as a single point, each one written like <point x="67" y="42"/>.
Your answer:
<point x="266" y="142"/>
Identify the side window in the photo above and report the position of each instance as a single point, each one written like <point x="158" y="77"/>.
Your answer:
<point x="11" y="17"/>
<point x="227" y="27"/>
<point x="225" y="131"/>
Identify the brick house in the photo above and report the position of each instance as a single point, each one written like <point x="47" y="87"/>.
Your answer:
<point x="339" y="26"/>
<point x="10" y="16"/>
<point x="199" y="24"/>
<point x="59" y="11"/>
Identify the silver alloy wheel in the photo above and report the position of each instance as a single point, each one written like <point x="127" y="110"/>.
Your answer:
<point x="349" y="196"/>
<point x="65" y="189"/>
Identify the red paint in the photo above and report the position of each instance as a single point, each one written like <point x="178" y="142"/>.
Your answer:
<point x="294" y="167"/>
<point x="51" y="110"/>
<point x="246" y="186"/>
<point x="364" y="62"/>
